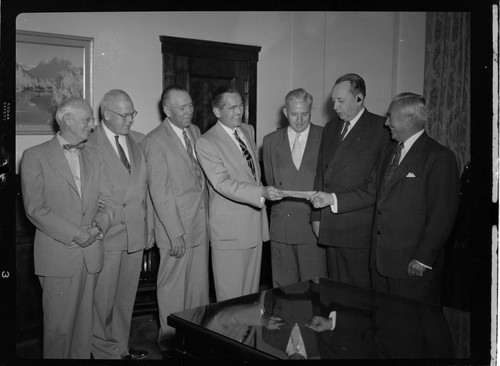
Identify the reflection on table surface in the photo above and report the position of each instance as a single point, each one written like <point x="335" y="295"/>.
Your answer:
<point x="368" y="324"/>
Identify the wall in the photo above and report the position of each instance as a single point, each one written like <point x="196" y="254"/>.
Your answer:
<point x="299" y="49"/>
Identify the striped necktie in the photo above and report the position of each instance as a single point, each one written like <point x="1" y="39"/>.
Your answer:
<point x="189" y="148"/>
<point x="245" y="152"/>
<point x="394" y="163"/>
<point x="344" y="130"/>
<point x="122" y="155"/>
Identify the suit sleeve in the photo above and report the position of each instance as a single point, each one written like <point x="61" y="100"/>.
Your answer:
<point x="361" y="197"/>
<point x="105" y="215"/>
<point x="218" y="175"/>
<point x="268" y="165"/>
<point x="37" y="210"/>
<point x="318" y="179"/>
<point x="442" y="195"/>
<point x="160" y="188"/>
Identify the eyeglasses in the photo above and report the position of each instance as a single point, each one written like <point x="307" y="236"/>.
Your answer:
<point x="124" y="116"/>
<point x="184" y="107"/>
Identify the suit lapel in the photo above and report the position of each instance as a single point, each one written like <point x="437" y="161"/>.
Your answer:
<point x="334" y="142"/>
<point x="85" y="170"/>
<point x="285" y="155"/>
<point x="135" y="162"/>
<point x="313" y="140"/>
<point x="352" y="137"/>
<point x="59" y="163"/>
<point x="251" y="148"/>
<point x="408" y="163"/>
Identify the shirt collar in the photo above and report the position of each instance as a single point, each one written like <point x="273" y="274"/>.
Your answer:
<point x="111" y="135"/>
<point x="353" y="121"/>
<point x="411" y="140"/>
<point x="177" y="129"/>
<point x="303" y="134"/>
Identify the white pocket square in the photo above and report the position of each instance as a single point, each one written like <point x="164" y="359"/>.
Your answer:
<point x="410" y="175"/>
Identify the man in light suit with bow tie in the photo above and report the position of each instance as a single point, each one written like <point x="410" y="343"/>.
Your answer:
<point x="131" y="232"/>
<point x="62" y="182"/>
<point x="180" y="202"/>
<point x="290" y="156"/>
<point x="238" y="219"/>
<point x="416" y="191"/>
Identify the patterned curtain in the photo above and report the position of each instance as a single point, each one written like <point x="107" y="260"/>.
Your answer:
<point x="447" y="81"/>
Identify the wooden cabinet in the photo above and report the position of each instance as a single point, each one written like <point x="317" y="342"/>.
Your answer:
<point x="203" y="66"/>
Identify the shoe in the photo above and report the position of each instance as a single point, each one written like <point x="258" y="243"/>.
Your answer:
<point x="135" y="354"/>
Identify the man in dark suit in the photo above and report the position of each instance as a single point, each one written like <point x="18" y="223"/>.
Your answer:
<point x="416" y="189"/>
<point x="350" y="147"/>
<point x="180" y="202"/>
<point x="290" y="156"/>
<point x="125" y="170"/>
<point x="61" y="184"/>
<point x="238" y="219"/>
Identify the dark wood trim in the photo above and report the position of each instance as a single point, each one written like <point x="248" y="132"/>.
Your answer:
<point x="198" y="48"/>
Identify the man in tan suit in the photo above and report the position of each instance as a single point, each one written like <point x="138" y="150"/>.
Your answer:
<point x="61" y="184"/>
<point x="238" y="219"/>
<point x="180" y="199"/>
<point x="290" y="157"/>
<point x="125" y="169"/>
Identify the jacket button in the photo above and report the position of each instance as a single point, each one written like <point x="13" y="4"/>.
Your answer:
<point x="346" y="168"/>
<point x="123" y="222"/>
<point x="83" y="214"/>
<point x="379" y="212"/>
<point x="280" y="183"/>
<point x="378" y="232"/>
<point x="124" y="205"/>
<point x="326" y="184"/>
<point x="326" y="165"/>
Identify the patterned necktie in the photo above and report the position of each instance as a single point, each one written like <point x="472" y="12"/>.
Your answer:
<point x="296" y="153"/>
<point x="394" y="163"/>
<point x="70" y="146"/>
<point x="189" y="148"/>
<point x="245" y="152"/>
<point x="123" y="157"/>
<point x="344" y="130"/>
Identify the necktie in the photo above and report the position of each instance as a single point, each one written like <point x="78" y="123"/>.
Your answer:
<point x="70" y="146"/>
<point x="296" y="153"/>
<point x="344" y="130"/>
<point x="394" y="163"/>
<point x="189" y="148"/>
<point x="123" y="157"/>
<point x="245" y="152"/>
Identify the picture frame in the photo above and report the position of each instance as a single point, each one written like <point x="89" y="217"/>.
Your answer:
<point x="49" y="68"/>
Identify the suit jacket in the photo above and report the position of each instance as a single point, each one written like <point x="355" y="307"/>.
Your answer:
<point x="238" y="218"/>
<point x="343" y="166"/>
<point x="290" y="217"/>
<point x="415" y="211"/>
<point x="130" y="226"/>
<point x="179" y="200"/>
<point x="53" y="205"/>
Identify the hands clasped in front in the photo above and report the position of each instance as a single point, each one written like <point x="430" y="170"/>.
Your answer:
<point x="85" y="236"/>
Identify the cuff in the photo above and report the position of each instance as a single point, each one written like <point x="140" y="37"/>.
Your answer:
<point x="333" y="316"/>
<point x="423" y="265"/>
<point x="334" y="206"/>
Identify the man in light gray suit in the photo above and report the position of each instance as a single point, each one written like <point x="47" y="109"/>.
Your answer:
<point x="180" y="199"/>
<point x="125" y="169"/>
<point x="238" y="219"/>
<point x="61" y="184"/>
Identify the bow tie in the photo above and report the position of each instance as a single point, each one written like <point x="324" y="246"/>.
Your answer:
<point x="79" y="146"/>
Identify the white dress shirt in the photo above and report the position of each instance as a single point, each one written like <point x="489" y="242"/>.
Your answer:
<point x="121" y="139"/>
<point x="302" y="138"/>
<point x="353" y="121"/>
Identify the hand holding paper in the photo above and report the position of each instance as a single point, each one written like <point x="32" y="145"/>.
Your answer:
<point x="298" y="194"/>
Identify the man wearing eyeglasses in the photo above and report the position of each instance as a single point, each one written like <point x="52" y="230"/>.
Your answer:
<point x="126" y="172"/>
<point x="180" y="201"/>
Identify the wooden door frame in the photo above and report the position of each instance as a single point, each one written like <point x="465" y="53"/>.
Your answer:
<point x="186" y="47"/>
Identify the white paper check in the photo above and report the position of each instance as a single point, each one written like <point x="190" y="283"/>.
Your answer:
<point x="298" y="194"/>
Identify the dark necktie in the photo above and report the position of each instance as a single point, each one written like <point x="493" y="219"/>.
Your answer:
<point x="344" y="130"/>
<point x="70" y="146"/>
<point x="246" y="153"/>
<point x="394" y="163"/>
<point x="123" y="157"/>
<point x="189" y="148"/>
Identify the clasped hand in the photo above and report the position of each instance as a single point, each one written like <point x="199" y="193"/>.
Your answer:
<point x="272" y="322"/>
<point x="85" y="236"/>
<point x="271" y="193"/>
<point x="321" y="199"/>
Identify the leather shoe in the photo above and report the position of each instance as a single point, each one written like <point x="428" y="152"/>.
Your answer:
<point x="135" y="354"/>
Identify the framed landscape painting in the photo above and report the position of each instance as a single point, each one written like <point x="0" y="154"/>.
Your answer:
<point x="49" y="68"/>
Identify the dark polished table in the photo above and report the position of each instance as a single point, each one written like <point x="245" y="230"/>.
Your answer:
<point x="369" y="325"/>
